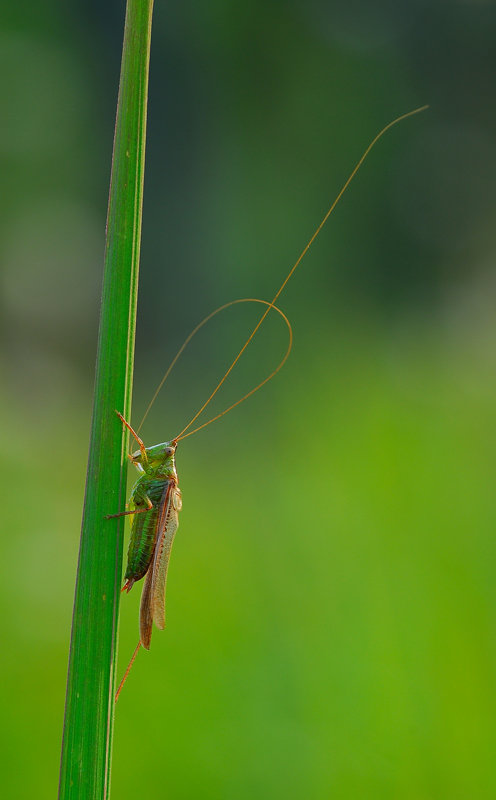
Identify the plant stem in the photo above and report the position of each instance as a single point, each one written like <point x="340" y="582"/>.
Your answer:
<point x="86" y="747"/>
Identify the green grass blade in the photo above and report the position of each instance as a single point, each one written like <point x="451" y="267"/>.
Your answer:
<point x="86" y="747"/>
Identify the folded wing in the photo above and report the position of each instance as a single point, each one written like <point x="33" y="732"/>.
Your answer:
<point x="152" y="607"/>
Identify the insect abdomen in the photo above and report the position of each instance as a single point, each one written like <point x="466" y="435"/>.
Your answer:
<point x="144" y="531"/>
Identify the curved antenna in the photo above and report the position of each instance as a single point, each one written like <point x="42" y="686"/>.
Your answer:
<point x="187" y="341"/>
<point x="183" y="433"/>
<point x="271" y="305"/>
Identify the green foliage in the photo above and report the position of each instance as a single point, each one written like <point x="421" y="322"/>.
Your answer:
<point x="86" y="750"/>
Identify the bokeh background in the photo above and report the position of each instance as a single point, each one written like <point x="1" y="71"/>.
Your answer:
<point x="331" y="597"/>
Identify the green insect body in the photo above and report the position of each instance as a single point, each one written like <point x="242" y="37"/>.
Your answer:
<point x="144" y="530"/>
<point x="157" y="501"/>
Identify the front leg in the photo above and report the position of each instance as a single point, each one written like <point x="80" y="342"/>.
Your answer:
<point x="141" y="443"/>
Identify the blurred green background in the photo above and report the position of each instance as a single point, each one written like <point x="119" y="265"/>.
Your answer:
<point x="331" y="597"/>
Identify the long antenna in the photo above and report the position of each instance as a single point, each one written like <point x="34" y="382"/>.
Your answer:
<point x="272" y="304"/>
<point x="187" y="341"/>
<point x="183" y="433"/>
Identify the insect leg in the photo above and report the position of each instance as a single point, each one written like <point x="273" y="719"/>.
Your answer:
<point x="140" y="441"/>
<point x="128" y="513"/>
<point x="149" y="505"/>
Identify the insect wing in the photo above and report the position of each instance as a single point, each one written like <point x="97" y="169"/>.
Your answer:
<point x="146" y="611"/>
<point x="152" y="608"/>
<point x="146" y="615"/>
<point x="161" y="558"/>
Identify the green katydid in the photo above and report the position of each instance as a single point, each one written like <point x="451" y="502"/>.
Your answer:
<point x="157" y="501"/>
<point x="156" y="496"/>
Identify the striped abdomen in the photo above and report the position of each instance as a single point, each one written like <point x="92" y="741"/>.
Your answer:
<point x="144" y="529"/>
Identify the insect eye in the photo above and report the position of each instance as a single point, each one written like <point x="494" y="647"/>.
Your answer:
<point x="169" y="451"/>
